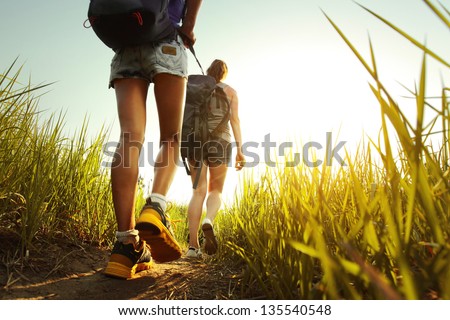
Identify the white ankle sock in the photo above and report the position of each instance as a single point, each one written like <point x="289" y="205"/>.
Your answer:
<point x="160" y="199"/>
<point x="129" y="236"/>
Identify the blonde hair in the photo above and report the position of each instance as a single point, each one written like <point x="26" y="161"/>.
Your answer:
<point x="218" y="70"/>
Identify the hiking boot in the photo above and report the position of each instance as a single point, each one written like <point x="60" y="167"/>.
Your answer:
<point x="126" y="260"/>
<point x="154" y="228"/>
<point x="193" y="253"/>
<point x="210" y="237"/>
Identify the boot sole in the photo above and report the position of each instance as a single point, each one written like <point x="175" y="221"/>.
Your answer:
<point x="210" y="239"/>
<point x="163" y="246"/>
<point x="118" y="270"/>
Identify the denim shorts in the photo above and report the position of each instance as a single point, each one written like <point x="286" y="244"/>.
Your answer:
<point x="145" y="61"/>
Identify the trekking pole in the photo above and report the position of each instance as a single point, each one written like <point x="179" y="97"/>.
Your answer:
<point x="191" y="48"/>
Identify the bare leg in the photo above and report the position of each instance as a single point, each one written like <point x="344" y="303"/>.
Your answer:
<point x="195" y="207"/>
<point x="215" y="187"/>
<point x="169" y="95"/>
<point x="217" y="176"/>
<point x="131" y="95"/>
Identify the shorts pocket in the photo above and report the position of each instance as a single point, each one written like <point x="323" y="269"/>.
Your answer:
<point x="170" y="55"/>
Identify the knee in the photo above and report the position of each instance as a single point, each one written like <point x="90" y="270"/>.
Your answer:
<point x="132" y="138"/>
<point x="170" y="140"/>
<point x="200" y="193"/>
<point x="215" y="194"/>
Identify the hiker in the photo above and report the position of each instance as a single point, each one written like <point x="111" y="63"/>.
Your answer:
<point x="212" y="177"/>
<point x="133" y="68"/>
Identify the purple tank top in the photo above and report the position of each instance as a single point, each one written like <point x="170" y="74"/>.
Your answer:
<point x="176" y="11"/>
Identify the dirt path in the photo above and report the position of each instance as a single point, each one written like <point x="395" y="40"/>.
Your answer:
<point x="68" y="272"/>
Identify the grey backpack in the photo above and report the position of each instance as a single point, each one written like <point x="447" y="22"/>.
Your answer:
<point x="202" y="95"/>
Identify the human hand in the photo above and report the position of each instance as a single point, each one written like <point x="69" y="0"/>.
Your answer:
<point x="187" y="34"/>
<point x="240" y="161"/>
<point x="187" y="28"/>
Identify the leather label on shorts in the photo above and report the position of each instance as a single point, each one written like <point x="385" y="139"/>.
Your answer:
<point x="169" y="50"/>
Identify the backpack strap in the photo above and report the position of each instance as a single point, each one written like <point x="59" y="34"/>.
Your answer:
<point x="226" y="118"/>
<point x="188" y="172"/>
<point x="197" y="176"/>
<point x="199" y="171"/>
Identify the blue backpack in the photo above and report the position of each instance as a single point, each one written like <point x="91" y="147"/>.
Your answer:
<point x="121" y="23"/>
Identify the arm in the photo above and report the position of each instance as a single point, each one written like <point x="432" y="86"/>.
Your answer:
<point x="187" y="28"/>
<point x="236" y="127"/>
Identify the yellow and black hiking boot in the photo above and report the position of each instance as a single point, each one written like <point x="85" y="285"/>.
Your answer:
<point x="126" y="260"/>
<point x="154" y="228"/>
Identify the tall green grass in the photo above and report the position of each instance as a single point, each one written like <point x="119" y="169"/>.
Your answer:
<point x="370" y="230"/>
<point x="52" y="185"/>
<point x="377" y="228"/>
<point x="49" y="184"/>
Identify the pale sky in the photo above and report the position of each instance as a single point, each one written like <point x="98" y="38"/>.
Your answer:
<point x="295" y="77"/>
